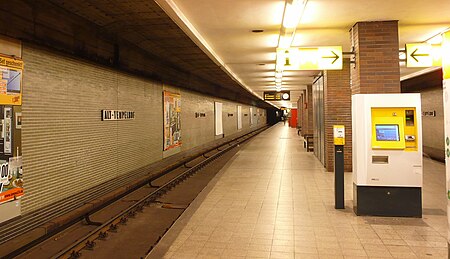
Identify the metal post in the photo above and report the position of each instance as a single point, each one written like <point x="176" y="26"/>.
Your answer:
<point x="339" y="177"/>
<point x="339" y="142"/>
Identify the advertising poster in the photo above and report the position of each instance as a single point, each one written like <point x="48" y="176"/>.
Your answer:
<point x="11" y="181"/>
<point x="239" y="117"/>
<point x="10" y="81"/>
<point x="7" y="130"/>
<point x="218" y="118"/>
<point x="172" y="120"/>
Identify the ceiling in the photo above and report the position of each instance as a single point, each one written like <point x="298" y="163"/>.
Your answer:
<point x="223" y="30"/>
<point x="132" y="36"/>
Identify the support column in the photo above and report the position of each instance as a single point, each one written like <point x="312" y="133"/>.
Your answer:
<point x="337" y="109"/>
<point x="377" y="68"/>
<point x="446" y="92"/>
<point x="309" y="109"/>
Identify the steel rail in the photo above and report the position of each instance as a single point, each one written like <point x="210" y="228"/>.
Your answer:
<point x="101" y="232"/>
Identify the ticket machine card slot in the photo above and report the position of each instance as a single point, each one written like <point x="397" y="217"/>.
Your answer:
<point x="410" y="137"/>
<point x="380" y="159"/>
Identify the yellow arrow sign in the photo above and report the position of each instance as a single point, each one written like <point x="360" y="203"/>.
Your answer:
<point x="310" y="58"/>
<point x="423" y="55"/>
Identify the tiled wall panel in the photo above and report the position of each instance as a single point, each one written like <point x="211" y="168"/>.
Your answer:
<point x="67" y="149"/>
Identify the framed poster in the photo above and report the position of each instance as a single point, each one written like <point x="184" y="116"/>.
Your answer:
<point x="18" y="120"/>
<point x="172" y="119"/>
<point x="10" y="80"/>
<point x="11" y="181"/>
<point x="7" y="121"/>
<point x="239" y="117"/>
<point x="218" y="118"/>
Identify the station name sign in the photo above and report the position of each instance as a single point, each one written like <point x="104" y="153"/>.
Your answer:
<point x="115" y="115"/>
<point x="277" y="96"/>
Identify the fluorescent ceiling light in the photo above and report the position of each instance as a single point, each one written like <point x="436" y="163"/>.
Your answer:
<point x="285" y="40"/>
<point x="292" y="13"/>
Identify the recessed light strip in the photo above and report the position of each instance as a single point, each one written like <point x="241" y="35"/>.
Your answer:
<point x="293" y="12"/>
<point x="177" y="16"/>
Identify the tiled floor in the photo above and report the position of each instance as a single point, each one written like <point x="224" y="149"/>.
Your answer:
<point x="274" y="200"/>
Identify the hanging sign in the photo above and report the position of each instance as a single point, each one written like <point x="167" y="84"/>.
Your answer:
<point x="277" y="96"/>
<point x="310" y="58"/>
<point x="423" y="55"/>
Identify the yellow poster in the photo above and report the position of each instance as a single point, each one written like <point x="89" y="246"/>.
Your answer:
<point x="10" y="81"/>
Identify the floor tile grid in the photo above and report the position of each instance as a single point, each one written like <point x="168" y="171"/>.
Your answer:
<point x="284" y="214"/>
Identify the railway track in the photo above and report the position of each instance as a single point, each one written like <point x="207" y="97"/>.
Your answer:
<point x="91" y="237"/>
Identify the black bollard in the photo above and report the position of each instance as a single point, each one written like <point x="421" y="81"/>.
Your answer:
<point x="339" y="177"/>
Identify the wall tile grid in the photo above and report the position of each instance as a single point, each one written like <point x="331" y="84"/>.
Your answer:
<point x="245" y="119"/>
<point x="67" y="149"/>
<point x="229" y="122"/>
<point x="433" y="127"/>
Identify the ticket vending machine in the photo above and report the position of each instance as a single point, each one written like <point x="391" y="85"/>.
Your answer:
<point x="387" y="154"/>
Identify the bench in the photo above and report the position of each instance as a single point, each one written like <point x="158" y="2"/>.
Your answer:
<point x="308" y="142"/>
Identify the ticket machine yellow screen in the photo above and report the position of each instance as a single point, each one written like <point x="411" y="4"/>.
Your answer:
<point x="394" y="128"/>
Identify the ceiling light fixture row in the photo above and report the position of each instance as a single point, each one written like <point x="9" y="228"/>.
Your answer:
<point x="293" y="11"/>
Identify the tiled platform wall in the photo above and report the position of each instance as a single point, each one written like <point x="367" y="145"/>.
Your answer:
<point x="67" y="149"/>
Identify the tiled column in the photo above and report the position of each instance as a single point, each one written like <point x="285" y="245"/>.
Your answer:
<point x="309" y="110"/>
<point x="377" y="67"/>
<point x="303" y="112"/>
<point x="446" y="91"/>
<point x="337" y="109"/>
<point x="300" y="111"/>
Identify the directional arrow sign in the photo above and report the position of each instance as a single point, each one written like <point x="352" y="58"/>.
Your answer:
<point x="330" y="57"/>
<point x="310" y="58"/>
<point x="419" y="55"/>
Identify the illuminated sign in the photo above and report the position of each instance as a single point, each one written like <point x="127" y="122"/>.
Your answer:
<point x="277" y="96"/>
<point x="423" y="55"/>
<point x="310" y="58"/>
